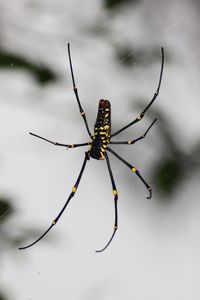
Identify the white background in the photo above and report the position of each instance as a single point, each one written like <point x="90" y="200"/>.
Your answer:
<point x="156" y="251"/>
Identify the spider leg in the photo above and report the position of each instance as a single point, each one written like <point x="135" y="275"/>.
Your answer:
<point x="76" y="92"/>
<point x="151" y="102"/>
<point x="130" y="142"/>
<point x="66" y="203"/>
<point x="59" y="144"/>
<point x="115" y="193"/>
<point x="133" y="169"/>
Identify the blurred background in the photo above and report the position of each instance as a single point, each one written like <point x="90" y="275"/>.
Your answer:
<point x="116" y="55"/>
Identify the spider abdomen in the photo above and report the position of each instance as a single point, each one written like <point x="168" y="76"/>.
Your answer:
<point x="102" y="129"/>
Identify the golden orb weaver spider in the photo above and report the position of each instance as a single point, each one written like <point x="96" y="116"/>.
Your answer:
<point x="98" y="147"/>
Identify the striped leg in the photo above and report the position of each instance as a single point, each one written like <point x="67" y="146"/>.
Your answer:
<point x="130" y="142"/>
<point x="115" y="193"/>
<point x="59" y="144"/>
<point x="76" y="92"/>
<point x="151" y="102"/>
<point x="66" y="203"/>
<point x="133" y="169"/>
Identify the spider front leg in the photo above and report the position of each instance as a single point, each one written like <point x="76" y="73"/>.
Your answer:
<point x="74" y="188"/>
<point x="60" y="144"/>
<point x="134" y="170"/>
<point x="151" y="102"/>
<point x="76" y="92"/>
<point x="115" y="193"/>
<point x="130" y="142"/>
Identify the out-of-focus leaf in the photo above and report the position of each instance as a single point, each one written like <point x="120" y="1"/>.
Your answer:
<point x="171" y="168"/>
<point x="130" y="57"/>
<point x="6" y="209"/>
<point x="167" y="175"/>
<point x="113" y="4"/>
<point x="125" y="56"/>
<point x="2" y="297"/>
<point x="30" y="234"/>
<point x="10" y="240"/>
<point x="44" y="75"/>
<point x="195" y="157"/>
<point x="14" y="61"/>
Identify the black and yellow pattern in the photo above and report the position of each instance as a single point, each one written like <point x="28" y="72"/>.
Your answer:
<point x="102" y="128"/>
<point x="98" y="147"/>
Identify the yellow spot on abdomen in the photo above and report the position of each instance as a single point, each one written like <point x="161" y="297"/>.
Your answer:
<point x="134" y="169"/>
<point x="102" y="156"/>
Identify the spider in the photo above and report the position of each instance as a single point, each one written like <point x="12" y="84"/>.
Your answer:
<point x="99" y="145"/>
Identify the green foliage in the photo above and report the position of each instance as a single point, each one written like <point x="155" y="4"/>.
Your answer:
<point x="6" y="209"/>
<point x="171" y="168"/>
<point x="42" y="74"/>
<point x="113" y="4"/>
<point x="131" y="56"/>
<point x="2" y="297"/>
<point x="168" y="174"/>
<point x="125" y="56"/>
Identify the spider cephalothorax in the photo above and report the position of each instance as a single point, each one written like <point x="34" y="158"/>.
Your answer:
<point x="98" y="147"/>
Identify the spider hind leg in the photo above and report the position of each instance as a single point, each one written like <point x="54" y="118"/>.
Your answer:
<point x="74" y="188"/>
<point x="115" y="193"/>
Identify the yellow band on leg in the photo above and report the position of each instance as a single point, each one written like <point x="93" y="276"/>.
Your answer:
<point x="115" y="192"/>
<point x="74" y="189"/>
